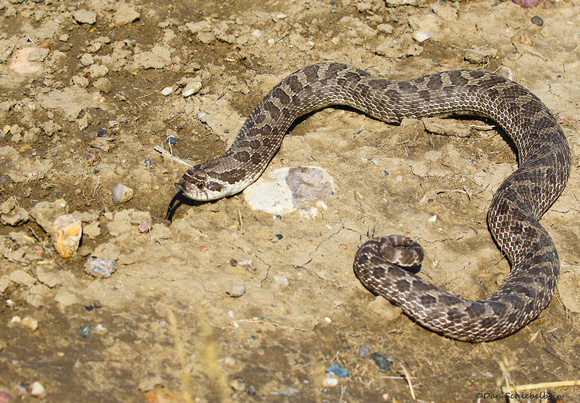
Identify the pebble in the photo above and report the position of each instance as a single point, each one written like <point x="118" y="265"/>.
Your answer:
<point x="85" y="17"/>
<point x="238" y="384"/>
<point x="229" y="362"/>
<point x="166" y="91"/>
<point x="85" y="332"/>
<point x="330" y="382"/>
<point x="191" y="89"/>
<point x="121" y="193"/>
<point x="281" y="281"/>
<point x="145" y="226"/>
<point x="171" y="140"/>
<point x="364" y="350"/>
<point x="338" y="370"/>
<point x="37" y="390"/>
<point x="537" y="21"/>
<point x="66" y="235"/>
<point x="421" y="36"/>
<point x="102" y="143"/>
<point x="383" y="364"/>
<point x="100" y="266"/>
<point x="30" y="323"/>
<point x="236" y="291"/>
<point x="125" y="15"/>
<point x="506" y="72"/>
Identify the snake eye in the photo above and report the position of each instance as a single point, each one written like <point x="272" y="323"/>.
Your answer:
<point x="199" y="184"/>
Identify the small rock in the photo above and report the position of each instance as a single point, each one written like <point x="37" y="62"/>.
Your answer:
<point x="103" y="84"/>
<point x="37" y="390"/>
<point x="85" y="17"/>
<point x="166" y="91"/>
<point x="126" y="15"/>
<point x="330" y="382"/>
<point x="145" y="226"/>
<point x="85" y="332"/>
<point x="364" y="350"/>
<point x="537" y="21"/>
<point x="338" y="370"/>
<point x="191" y="88"/>
<point x="100" y="266"/>
<point x="66" y="235"/>
<point x="121" y="193"/>
<point x="421" y="36"/>
<point x="526" y="3"/>
<point x="102" y="143"/>
<point x="237" y="291"/>
<point x="238" y="384"/>
<point x="98" y="71"/>
<point x="229" y="362"/>
<point x="281" y="281"/>
<point x="506" y="72"/>
<point x="383" y="364"/>
<point x="30" y="323"/>
<point x="87" y="59"/>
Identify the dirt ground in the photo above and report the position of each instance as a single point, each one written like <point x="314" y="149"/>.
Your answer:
<point x="230" y="303"/>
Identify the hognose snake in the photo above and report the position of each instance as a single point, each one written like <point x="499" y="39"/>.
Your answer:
<point x="516" y="207"/>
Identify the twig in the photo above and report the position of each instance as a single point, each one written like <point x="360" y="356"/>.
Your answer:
<point x="543" y="385"/>
<point x="408" y="379"/>
<point x="173" y="157"/>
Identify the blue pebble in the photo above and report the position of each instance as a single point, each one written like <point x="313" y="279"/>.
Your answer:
<point x="171" y="140"/>
<point x="338" y="370"/>
<point x="383" y="364"/>
<point x="85" y="332"/>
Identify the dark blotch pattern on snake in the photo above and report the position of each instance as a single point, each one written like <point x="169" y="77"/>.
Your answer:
<point x="516" y="207"/>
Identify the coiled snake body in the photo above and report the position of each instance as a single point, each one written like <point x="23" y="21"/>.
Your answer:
<point x="516" y="207"/>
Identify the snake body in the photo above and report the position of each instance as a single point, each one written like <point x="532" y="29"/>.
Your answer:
<point x="516" y="207"/>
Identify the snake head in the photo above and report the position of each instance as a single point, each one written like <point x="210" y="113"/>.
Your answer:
<point x="196" y="184"/>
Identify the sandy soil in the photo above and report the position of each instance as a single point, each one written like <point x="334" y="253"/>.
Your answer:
<point x="104" y="82"/>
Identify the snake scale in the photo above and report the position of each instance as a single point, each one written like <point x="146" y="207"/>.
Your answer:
<point x="517" y="205"/>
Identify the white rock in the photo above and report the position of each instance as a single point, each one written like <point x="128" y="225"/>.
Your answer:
<point x="191" y="89"/>
<point x="37" y="390"/>
<point x="421" y="36"/>
<point x="281" y="281"/>
<point x="166" y="91"/>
